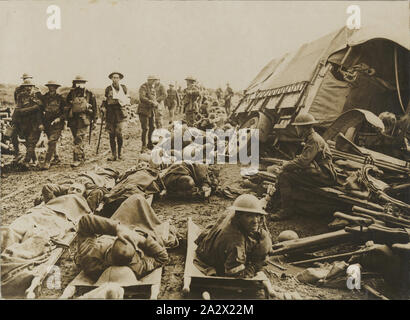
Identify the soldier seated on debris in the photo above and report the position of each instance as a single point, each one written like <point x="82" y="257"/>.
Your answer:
<point x="312" y="167"/>
<point x="82" y="186"/>
<point x="238" y="244"/>
<point x="105" y="242"/>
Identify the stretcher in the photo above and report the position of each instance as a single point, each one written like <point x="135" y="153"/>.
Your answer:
<point x="194" y="278"/>
<point x="33" y="291"/>
<point x="146" y="287"/>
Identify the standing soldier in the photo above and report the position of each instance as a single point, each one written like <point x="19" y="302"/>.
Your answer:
<point x="53" y="120"/>
<point x="27" y="118"/>
<point x="116" y="99"/>
<point x="148" y="102"/>
<point x="192" y="94"/>
<point x="14" y="135"/>
<point x="228" y="97"/>
<point x="81" y="111"/>
<point x="172" y="102"/>
<point x="219" y="93"/>
<point x="161" y="95"/>
<point x="180" y="96"/>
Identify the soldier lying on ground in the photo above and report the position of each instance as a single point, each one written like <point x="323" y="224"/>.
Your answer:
<point x="187" y="179"/>
<point x="91" y="185"/>
<point x="117" y="245"/>
<point x="140" y="179"/>
<point x="51" y="190"/>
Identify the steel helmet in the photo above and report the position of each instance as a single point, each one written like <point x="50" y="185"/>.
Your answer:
<point x="27" y="83"/>
<point x="153" y="77"/>
<point x="287" y="235"/>
<point x="116" y="72"/>
<point x="190" y="78"/>
<point x="304" y="119"/>
<point x="79" y="79"/>
<point x="248" y="203"/>
<point x="52" y="83"/>
<point x="26" y="76"/>
<point x="122" y="275"/>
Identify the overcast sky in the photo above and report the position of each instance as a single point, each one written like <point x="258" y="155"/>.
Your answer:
<point x="215" y="41"/>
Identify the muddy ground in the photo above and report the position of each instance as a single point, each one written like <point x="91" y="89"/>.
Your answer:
<point x="19" y="189"/>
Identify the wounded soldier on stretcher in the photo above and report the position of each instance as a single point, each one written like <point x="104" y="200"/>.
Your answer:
<point x="90" y="185"/>
<point x="187" y="179"/>
<point x="238" y="244"/>
<point x="105" y="242"/>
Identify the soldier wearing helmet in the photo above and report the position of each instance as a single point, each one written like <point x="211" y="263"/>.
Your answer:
<point x="14" y="135"/>
<point x="114" y="108"/>
<point x="54" y="120"/>
<point x="313" y="166"/>
<point x="228" y="97"/>
<point x="104" y="242"/>
<point x="27" y="118"/>
<point x="146" y="107"/>
<point x="81" y="111"/>
<point x="238" y="244"/>
<point x="192" y="96"/>
<point x="172" y="102"/>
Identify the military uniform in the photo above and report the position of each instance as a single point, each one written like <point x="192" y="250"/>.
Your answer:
<point x="190" y="102"/>
<point x="148" y="102"/>
<point x="161" y="95"/>
<point x="81" y="108"/>
<point x="93" y="194"/>
<point x="313" y="166"/>
<point x="219" y="93"/>
<point x="116" y="116"/>
<point x="230" y="250"/>
<point x="94" y="253"/>
<point x="228" y="97"/>
<point x="172" y="102"/>
<point x="53" y="108"/>
<point x="27" y="119"/>
<point x="14" y="135"/>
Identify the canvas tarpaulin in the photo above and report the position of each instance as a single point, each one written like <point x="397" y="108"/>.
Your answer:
<point x="304" y="61"/>
<point x="330" y="99"/>
<point x="300" y="65"/>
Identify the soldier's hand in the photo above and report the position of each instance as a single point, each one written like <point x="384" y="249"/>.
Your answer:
<point x="57" y="120"/>
<point x="125" y="234"/>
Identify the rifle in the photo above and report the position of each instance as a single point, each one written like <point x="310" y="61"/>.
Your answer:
<point x="99" y="135"/>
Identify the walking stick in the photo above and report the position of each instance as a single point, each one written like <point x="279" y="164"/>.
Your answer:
<point x="99" y="135"/>
<point x="89" y="133"/>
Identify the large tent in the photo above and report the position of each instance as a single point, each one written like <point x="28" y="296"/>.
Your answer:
<point x="366" y="68"/>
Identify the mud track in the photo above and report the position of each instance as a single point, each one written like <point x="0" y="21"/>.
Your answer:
<point x="19" y="189"/>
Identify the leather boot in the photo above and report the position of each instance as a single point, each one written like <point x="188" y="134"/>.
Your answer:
<point x="113" y="150"/>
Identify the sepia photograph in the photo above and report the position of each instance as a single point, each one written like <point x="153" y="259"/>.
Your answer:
<point x="205" y="150"/>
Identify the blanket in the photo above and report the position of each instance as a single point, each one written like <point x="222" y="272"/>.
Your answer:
<point x="137" y="213"/>
<point x="28" y="243"/>
<point x="143" y="181"/>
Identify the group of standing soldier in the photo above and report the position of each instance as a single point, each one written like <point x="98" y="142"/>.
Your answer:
<point x="36" y="113"/>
